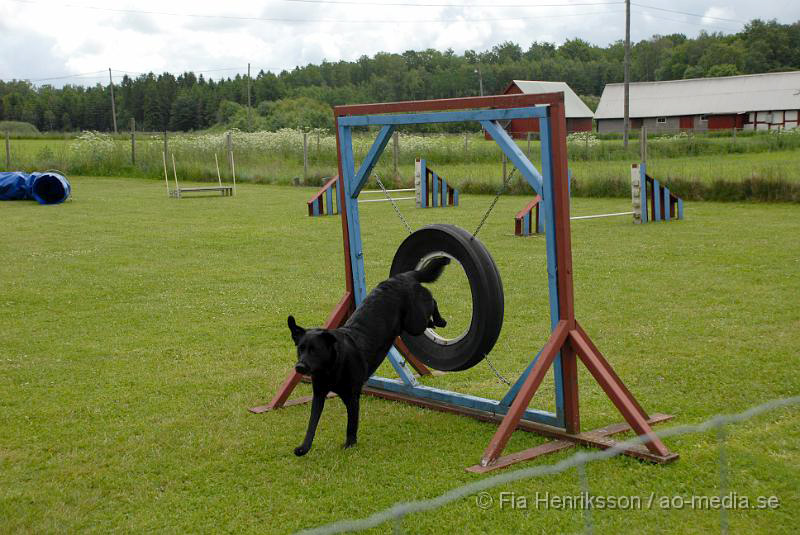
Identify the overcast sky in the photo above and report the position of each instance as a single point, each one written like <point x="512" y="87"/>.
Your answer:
<point x="76" y="41"/>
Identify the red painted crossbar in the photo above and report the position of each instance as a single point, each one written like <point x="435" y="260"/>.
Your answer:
<point x="317" y="197"/>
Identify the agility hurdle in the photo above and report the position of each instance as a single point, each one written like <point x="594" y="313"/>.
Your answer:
<point x="529" y="220"/>
<point x="567" y="343"/>
<point x="432" y="192"/>
<point x="179" y="192"/>
<point x="659" y="204"/>
<point x="652" y="201"/>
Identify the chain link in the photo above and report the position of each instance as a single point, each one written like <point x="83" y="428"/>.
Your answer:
<point x="494" y="201"/>
<point x="497" y="373"/>
<point x="394" y="204"/>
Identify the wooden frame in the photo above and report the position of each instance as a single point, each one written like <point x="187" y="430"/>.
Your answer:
<point x="568" y="342"/>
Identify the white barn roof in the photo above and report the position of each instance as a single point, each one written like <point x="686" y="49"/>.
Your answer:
<point x="727" y="94"/>
<point x="574" y="108"/>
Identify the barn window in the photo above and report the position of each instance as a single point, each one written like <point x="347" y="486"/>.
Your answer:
<point x="661" y="120"/>
<point x="704" y="118"/>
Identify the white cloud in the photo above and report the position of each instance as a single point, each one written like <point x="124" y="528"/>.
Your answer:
<point x="72" y="39"/>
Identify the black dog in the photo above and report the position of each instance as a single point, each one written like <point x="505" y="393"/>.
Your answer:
<point x="341" y="360"/>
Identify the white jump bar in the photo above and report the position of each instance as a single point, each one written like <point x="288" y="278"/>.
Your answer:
<point x="601" y="215"/>
<point x="387" y="200"/>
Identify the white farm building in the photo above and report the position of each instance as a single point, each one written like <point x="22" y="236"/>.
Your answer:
<point x="755" y="101"/>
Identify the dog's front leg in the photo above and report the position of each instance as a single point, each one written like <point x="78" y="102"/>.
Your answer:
<point x="317" y="404"/>
<point x="352" y="404"/>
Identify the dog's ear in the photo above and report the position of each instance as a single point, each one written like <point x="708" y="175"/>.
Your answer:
<point x="415" y="315"/>
<point x="297" y="331"/>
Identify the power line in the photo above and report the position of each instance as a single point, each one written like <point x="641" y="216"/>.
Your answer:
<point x="691" y="23"/>
<point x="408" y="4"/>
<point x="689" y="14"/>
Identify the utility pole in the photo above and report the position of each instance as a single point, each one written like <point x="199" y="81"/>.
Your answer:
<point x="249" y="119"/>
<point x="480" y="79"/>
<point x="113" y="106"/>
<point x="626" y="97"/>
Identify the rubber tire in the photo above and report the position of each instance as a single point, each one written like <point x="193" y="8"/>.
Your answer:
<point x="487" y="295"/>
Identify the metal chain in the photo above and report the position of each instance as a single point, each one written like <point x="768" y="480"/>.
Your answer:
<point x="497" y="373"/>
<point x="485" y="216"/>
<point x="496" y="197"/>
<point x="394" y="204"/>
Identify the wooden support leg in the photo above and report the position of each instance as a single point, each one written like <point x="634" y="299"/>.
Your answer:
<point x="569" y="376"/>
<point x="410" y="358"/>
<point x="616" y="391"/>
<point x="529" y="387"/>
<point x="338" y="315"/>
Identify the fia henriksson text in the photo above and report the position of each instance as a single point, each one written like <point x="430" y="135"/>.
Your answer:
<point x="585" y="500"/>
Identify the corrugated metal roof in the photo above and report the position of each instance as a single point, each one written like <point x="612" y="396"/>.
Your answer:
<point x="574" y="108"/>
<point x="728" y="94"/>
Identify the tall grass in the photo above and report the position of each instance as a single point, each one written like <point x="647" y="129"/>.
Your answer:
<point x="760" y="166"/>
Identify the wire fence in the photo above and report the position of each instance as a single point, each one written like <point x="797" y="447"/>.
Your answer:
<point x="397" y="512"/>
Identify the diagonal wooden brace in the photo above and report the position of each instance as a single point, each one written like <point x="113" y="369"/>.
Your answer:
<point x="523" y="399"/>
<point x="616" y="391"/>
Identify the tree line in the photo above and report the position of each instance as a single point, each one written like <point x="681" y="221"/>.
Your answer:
<point x="303" y="96"/>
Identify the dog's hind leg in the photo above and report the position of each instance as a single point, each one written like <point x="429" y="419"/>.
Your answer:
<point x="317" y="404"/>
<point x="352" y="404"/>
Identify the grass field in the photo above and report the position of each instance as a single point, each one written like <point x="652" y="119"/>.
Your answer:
<point x="138" y="329"/>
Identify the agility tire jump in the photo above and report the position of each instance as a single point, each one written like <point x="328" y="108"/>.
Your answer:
<point x="471" y="346"/>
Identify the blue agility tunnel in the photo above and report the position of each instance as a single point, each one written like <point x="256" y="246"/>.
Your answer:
<point x="45" y="188"/>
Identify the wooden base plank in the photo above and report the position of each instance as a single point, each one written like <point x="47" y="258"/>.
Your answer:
<point x="598" y="438"/>
<point x="297" y="401"/>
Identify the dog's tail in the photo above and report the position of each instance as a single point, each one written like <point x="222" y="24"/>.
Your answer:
<point x="432" y="270"/>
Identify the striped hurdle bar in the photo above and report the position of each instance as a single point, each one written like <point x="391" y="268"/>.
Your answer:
<point x="529" y="220"/>
<point x="652" y="201"/>
<point x="432" y="190"/>
<point x="330" y="205"/>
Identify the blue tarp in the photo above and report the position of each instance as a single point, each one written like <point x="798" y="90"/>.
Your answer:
<point x="45" y="188"/>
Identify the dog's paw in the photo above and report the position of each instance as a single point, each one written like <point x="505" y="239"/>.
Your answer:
<point x="349" y="443"/>
<point x="301" y="450"/>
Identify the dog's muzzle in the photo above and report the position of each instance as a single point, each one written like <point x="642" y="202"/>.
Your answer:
<point x="302" y="368"/>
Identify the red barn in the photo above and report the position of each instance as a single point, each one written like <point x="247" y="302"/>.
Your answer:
<point x="579" y="116"/>
<point x="769" y="101"/>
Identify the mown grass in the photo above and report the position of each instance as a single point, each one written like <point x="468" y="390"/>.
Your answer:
<point x="138" y="329"/>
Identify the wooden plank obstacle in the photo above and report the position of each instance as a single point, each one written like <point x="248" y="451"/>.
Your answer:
<point x="568" y="342"/>
<point x="432" y="192"/>
<point x="646" y="192"/>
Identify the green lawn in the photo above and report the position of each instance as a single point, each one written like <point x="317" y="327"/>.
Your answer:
<point x="138" y="329"/>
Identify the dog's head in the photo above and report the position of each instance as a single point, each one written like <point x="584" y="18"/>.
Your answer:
<point x="316" y="349"/>
<point x="421" y="311"/>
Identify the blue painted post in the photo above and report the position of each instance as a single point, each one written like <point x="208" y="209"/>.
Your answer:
<point x="657" y="203"/>
<point x="549" y="208"/>
<point x="539" y="218"/>
<point x="435" y="190"/>
<point x="353" y="220"/>
<point x="423" y="184"/>
<point x="643" y="190"/>
<point x="455" y="197"/>
<point x="526" y="224"/>
<point x="329" y="199"/>
<point x="569" y="184"/>
<point x="680" y="208"/>
<point x="666" y="203"/>
<point x="444" y="192"/>
<point x="315" y="206"/>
